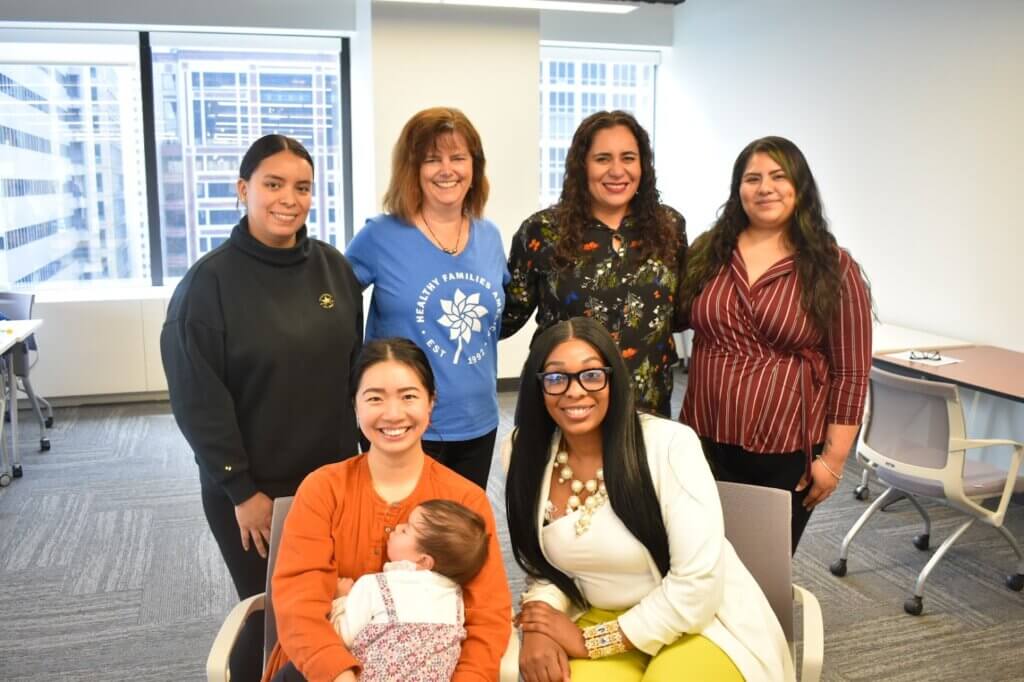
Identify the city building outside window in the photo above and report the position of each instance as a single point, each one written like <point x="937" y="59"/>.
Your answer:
<point x="214" y="95"/>
<point x="72" y="175"/>
<point x="72" y="160"/>
<point x="576" y="82"/>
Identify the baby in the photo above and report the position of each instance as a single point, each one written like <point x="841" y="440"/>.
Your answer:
<point x="406" y="623"/>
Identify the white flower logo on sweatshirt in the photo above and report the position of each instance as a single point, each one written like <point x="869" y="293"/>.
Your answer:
<point x="462" y="316"/>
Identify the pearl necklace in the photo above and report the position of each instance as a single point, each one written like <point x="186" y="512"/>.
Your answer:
<point x="597" y="494"/>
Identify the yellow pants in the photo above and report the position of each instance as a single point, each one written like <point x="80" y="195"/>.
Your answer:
<point x="691" y="657"/>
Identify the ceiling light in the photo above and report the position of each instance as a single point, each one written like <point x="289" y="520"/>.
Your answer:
<point x="549" y="5"/>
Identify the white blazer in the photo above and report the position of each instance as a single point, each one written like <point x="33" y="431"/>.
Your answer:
<point x="708" y="590"/>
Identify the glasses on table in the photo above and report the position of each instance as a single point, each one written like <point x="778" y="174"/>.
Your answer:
<point x="925" y="355"/>
<point x="591" y="380"/>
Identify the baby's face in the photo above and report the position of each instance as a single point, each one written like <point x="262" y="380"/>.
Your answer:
<point x="403" y="543"/>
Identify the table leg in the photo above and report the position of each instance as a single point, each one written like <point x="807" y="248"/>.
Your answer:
<point x="12" y="401"/>
<point x="5" y="462"/>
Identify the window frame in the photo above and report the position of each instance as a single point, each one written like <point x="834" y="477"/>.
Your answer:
<point x="146" y="121"/>
<point x="584" y="88"/>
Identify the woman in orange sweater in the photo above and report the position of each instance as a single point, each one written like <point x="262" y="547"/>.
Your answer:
<point x="339" y="524"/>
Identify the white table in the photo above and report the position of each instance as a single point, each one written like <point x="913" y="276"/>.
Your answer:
<point x="891" y="338"/>
<point x="12" y="332"/>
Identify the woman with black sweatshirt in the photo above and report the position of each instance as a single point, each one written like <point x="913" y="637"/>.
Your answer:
<point x="257" y="346"/>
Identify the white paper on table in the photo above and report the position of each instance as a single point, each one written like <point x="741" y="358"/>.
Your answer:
<point x="905" y="355"/>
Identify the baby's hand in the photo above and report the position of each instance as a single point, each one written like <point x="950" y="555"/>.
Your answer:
<point x="344" y="587"/>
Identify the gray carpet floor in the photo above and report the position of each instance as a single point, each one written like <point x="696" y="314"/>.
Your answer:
<point x="108" y="572"/>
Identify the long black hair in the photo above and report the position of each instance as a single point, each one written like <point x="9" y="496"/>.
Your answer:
<point x="626" y="474"/>
<point x="816" y="253"/>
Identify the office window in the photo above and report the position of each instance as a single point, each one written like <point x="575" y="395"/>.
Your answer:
<point x="71" y="161"/>
<point x="233" y="90"/>
<point x="72" y="154"/>
<point x="577" y="82"/>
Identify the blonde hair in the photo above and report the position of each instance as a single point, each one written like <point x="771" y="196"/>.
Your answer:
<point x="418" y="138"/>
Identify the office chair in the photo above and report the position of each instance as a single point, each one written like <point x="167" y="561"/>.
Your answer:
<point x="915" y="440"/>
<point x="18" y="306"/>
<point x="764" y="548"/>
<point x="220" y="652"/>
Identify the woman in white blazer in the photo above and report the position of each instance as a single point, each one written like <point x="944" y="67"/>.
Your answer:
<point x="615" y="518"/>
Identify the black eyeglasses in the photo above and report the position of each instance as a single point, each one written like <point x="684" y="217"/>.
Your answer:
<point x="925" y="355"/>
<point x="557" y="383"/>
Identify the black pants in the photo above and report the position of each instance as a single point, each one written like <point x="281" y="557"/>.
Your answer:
<point x="249" y="573"/>
<point x="470" y="459"/>
<point x="733" y="464"/>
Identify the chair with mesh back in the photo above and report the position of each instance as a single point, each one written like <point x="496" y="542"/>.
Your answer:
<point x="914" y="437"/>
<point x="764" y="548"/>
<point x="18" y="306"/>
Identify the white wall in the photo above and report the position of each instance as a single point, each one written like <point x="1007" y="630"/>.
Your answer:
<point x="484" y="62"/>
<point x="910" y="115"/>
<point x="646" y="26"/>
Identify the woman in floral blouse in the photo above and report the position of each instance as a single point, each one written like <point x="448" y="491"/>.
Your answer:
<point x="609" y="250"/>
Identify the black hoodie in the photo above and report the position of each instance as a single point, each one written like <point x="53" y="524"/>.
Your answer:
<point x="257" y="349"/>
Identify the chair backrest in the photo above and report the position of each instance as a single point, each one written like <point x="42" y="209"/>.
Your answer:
<point x="16" y="305"/>
<point x="758" y="525"/>
<point x="281" y="507"/>
<point x="911" y="420"/>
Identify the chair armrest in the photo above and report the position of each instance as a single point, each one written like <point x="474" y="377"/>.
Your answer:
<point x="509" y="671"/>
<point x="813" y="633"/>
<point x="954" y="490"/>
<point x="975" y="443"/>
<point x="220" y="652"/>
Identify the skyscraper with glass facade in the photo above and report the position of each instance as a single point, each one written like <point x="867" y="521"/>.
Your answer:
<point x="68" y="174"/>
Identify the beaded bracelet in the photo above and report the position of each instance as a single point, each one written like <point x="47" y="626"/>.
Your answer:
<point x="836" y="476"/>
<point x="604" y="639"/>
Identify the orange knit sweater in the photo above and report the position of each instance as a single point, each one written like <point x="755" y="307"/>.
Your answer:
<point x="337" y="528"/>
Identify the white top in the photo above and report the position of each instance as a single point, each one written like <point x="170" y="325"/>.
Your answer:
<point x="419" y="597"/>
<point x="708" y="590"/>
<point x="608" y="580"/>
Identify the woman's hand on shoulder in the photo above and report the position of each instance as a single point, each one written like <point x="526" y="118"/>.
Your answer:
<point x="541" y="618"/>
<point x="253" y="517"/>
<point x="541" y="659"/>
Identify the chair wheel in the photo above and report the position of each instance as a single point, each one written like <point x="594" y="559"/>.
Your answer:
<point x="913" y="606"/>
<point x="48" y="422"/>
<point x="861" y="492"/>
<point x="1015" y="582"/>
<point x="44" y="444"/>
<point x="16" y="472"/>
<point x="5" y="480"/>
<point x="838" y="568"/>
<point x="921" y="541"/>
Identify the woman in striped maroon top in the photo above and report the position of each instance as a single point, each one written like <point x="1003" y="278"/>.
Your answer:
<point x="782" y="334"/>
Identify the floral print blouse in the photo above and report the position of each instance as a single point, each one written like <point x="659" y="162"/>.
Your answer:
<point x="633" y="299"/>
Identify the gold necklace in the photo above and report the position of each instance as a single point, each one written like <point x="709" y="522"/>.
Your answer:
<point x="452" y="251"/>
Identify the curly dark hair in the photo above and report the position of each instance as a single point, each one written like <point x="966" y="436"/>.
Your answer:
<point x="816" y="252"/>
<point x="573" y="210"/>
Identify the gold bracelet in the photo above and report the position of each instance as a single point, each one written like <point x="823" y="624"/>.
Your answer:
<point x="836" y="476"/>
<point x="603" y="639"/>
